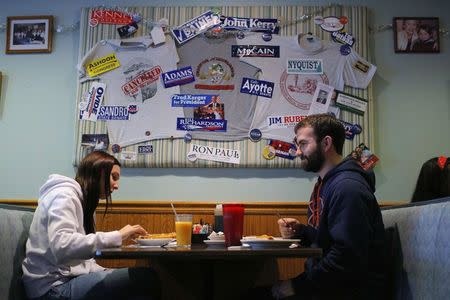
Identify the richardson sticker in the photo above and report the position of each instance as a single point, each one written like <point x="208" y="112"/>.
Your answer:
<point x="94" y="100"/>
<point x="283" y="149"/>
<point x="331" y="24"/>
<point x="108" y="16"/>
<point x="283" y="121"/>
<point x="178" y="77"/>
<point x="189" y="100"/>
<point x="195" y="26"/>
<point x="257" y="87"/>
<point x="102" y="65"/>
<point x="190" y="124"/>
<point x="351" y="103"/>
<point x="250" y="24"/>
<point x="145" y="149"/>
<point x="113" y="113"/>
<point x="255" y="51"/>
<point x="231" y="156"/>
<point x="304" y="66"/>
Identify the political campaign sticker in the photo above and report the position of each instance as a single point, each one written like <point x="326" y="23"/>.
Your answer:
<point x="190" y="100"/>
<point x="321" y="99"/>
<point x="94" y="100"/>
<point x="343" y="37"/>
<point x="345" y="50"/>
<point x="304" y="66"/>
<point x="213" y="110"/>
<point x="268" y="152"/>
<point x="351" y="129"/>
<point x="250" y="24"/>
<point x="113" y="113"/>
<point x="283" y="149"/>
<point x="276" y="122"/>
<point x="148" y="133"/>
<point x="101" y="65"/>
<point x="343" y="20"/>
<point x="191" y="124"/>
<point x="318" y="20"/>
<point x="109" y="16"/>
<point x="191" y="156"/>
<point x="240" y="35"/>
<point x="265" y="51"/>
<point x="95" y="141"/>
<point x="128" y="155"/>
<point x="178" y="77"/>
<point x="257" y="87"/>
<point x="255" y="135"/>
<point x="116" y="148"/>
<point x="365" y="158"/>
<point x="133" y="108"/>
<point x="361" y="66"/>
<point x="127" y="30"/>
<point x="232" y="156"/>
<point x="267" y="37"/>
<point x="331" y="24"/>
<point x="194" y="27"/>
<point x="351" y="103"/>
<point x="187" y="138"/>
<point x="147" y="149"/>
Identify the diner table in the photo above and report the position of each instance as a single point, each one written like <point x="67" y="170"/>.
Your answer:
<point x="202" y="272"/>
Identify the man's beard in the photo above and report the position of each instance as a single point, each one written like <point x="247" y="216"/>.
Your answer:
<point x="313" y="162"/>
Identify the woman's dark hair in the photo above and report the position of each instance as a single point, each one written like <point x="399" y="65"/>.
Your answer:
<point x="433" y="181"/>
<point x="323" y="125"/>
<point x="93" y="172"/>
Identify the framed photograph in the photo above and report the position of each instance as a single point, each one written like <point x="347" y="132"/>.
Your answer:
<point x="29" y="34"/>
<point x="416" y="35"/>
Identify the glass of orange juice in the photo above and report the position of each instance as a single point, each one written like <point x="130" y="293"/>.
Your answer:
<point x="183" y="228"/>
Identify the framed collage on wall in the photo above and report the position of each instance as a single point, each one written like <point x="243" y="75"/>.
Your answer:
<point x="29" y="34"/>
<point x="416" y="35"/>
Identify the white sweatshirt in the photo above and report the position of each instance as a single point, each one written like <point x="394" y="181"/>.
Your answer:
<point x="58" y="247"/>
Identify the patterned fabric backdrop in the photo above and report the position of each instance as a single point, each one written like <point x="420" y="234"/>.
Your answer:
<point x="169" y="153"/>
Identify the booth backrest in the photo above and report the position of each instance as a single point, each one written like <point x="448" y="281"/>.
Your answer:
<point x="14" y="225"/>
<point x="420" y="253"/>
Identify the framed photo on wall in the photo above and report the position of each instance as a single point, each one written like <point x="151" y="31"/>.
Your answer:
<point x="29" y="34"/>
<point x="416" y="35"/>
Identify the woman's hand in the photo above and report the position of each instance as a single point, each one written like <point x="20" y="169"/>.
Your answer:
<point x="286" y="226"/>
<point x="132" y="231"/>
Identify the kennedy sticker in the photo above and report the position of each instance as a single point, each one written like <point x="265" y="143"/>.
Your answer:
<point x="191" y="124"/>
<point x="255" y="51"/>
<point x="188" y="100"/>
<point x="304" y="66"/>
<point x="195" y="26"/>
<point x="93" y="101"/>
<point x="178" y="77"/>
<point x="257" y="87"/>
<point x="275" y="122"/>
<point x="231" y="156"/>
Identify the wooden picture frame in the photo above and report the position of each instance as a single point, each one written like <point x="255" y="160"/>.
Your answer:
<point x="416" y="35"/>
<point x="29" y="34"/>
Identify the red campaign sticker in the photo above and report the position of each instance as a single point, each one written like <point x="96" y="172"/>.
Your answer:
<point x="107" y="16"/>
<point x="343" y="20"/>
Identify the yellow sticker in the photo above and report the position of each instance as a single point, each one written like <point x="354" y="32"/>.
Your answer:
<point x="268" y="152"/>
<point x="102" y="65"/>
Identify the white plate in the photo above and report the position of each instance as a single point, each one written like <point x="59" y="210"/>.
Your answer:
<point x="153" y="242"/>
<point x="256" y="243"/>
<point x="215" y="243"/>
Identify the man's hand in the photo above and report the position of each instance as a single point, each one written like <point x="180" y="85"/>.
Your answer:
<point x="286" y="226"/>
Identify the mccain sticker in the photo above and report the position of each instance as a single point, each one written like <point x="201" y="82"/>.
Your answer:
<point x="255" y="51"/>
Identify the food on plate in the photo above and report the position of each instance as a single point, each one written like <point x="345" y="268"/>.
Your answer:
<point x="264" y="237"/>
<point x="171" y="235"/>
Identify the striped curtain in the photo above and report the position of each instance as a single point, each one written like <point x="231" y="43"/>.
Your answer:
<point x="169" y="153"/>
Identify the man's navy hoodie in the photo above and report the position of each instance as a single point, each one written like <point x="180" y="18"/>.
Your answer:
<point x="351" y="234"/>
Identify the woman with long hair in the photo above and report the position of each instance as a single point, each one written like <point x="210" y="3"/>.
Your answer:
<point x="434" y="180"/>
<point x="63" y="239"/>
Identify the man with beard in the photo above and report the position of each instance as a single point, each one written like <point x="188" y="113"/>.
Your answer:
<point x="344" y="219"/>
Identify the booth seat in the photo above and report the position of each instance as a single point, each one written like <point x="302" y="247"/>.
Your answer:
<point x="418" y="258"/>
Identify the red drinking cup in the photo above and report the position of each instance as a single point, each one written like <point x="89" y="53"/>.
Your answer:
<point x="233" y="223"/>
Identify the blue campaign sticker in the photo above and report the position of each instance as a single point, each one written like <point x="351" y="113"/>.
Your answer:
<point x="191" y="124"/>
<point x="133" y="108"/>
<point x="195" y="26"/>
<point x="178" y="77"/>
<point x="345" y="50"/>
<point x="116" y="148"/>
<point x="265" y="51"/>
<point x="250" y="24"/>
<point x="343" y="37"/>
<point x="255" y="135"/>
<point x="257" y="87"/>
<point x="189" y="100"/>
<point x="145" y="149"/>
<point x="351" y="129"/>
<point x="113" y="113"/>
<point x="187" y="138"/>
<point x="267" y="37"/>
<point x="240" y="35"/>
<point x="283" y="149"/>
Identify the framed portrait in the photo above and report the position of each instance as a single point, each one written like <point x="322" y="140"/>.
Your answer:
<point x="29" y="34"/>
<point x="416" y="35"/>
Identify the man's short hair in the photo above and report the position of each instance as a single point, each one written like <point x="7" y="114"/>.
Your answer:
<point x="323" y="125"/>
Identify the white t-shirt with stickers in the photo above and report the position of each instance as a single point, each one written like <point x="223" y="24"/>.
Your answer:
<point x="137" y="82"/>
<point x="218" y="73"/>
<point x="301" y="66"/>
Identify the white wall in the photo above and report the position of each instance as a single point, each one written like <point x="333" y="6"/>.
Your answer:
<point x="37" y="114"/>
